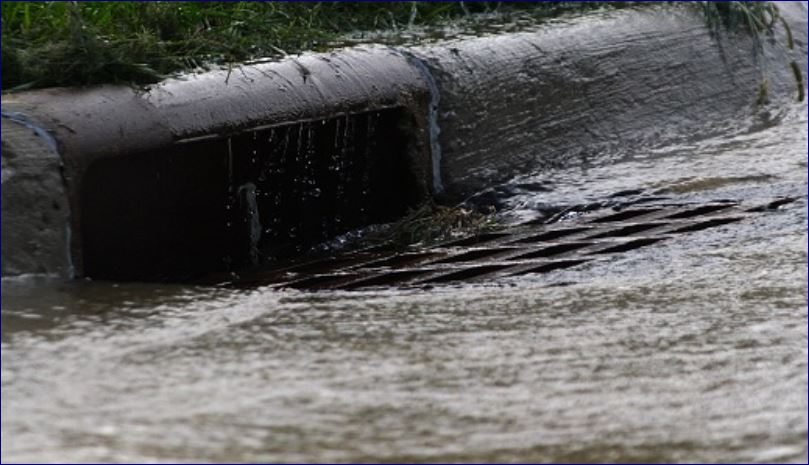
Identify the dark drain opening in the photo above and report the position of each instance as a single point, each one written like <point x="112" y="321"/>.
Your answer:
<point x="155" y="215"/>
<point x="236" y="202"/>
<point x="305" y="183"/>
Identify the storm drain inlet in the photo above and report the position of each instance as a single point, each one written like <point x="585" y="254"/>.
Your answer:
<point x="519" y="250"/>
<point x="230" y="202"/>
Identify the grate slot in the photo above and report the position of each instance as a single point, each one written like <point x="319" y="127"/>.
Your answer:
<point x="550" y="235"/>
<point x="321" y="281"/>
<point x="552" y="250"/>
<point x="473" y="255"/>
<point x="779" y="203"/>
<point x="630" y="245"/>
<point x="707" y="224"/>
<point x="551" y="266"/>
<point x="322" y="266"/>
<point x="387" y="279"/>
<point x="517" y="251"/>
<point x="699" y="211"/>
<point x="468" y="273"/>
<point x="625" y="215"/>
<point x="474" y="240"/>
<point x="629" y="230"/>
<point x="402" y="259"/>
<point x="773" y="205"/>
<point x="627" y="193"/>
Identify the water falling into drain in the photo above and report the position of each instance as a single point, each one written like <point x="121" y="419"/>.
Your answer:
<point x="239" y="201"/>
<point x="326" y="177"/>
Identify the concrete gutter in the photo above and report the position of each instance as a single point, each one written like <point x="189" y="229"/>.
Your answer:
<point x="481" y="110"/>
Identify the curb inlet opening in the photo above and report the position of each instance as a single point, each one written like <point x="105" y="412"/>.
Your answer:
<point x="235" y="202"/>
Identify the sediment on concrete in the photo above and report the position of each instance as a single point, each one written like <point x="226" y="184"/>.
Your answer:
<point x="217" y="171"/>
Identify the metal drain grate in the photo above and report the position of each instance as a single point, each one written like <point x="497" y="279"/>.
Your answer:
<point x="519" y="250"/>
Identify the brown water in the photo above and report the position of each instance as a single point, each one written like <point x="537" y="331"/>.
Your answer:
<point x="695" y="350"/>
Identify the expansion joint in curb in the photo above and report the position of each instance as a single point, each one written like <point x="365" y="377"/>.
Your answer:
<point x="49" y="141"/>
<point x="435" y="98"/>
<point x="23" y="119"/>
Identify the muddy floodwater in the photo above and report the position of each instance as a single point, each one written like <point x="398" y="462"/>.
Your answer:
<point x="691" y="350"/>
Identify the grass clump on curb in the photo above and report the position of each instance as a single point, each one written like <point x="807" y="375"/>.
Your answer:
<point x="759" y="19"/>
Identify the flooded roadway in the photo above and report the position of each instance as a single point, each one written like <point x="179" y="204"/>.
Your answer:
<point x="694" y="350"/>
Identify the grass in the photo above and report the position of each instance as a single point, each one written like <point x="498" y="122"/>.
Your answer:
<point x="47" y="44"/>
<point x="757" y="17"/>
<point x="760" y="20"/>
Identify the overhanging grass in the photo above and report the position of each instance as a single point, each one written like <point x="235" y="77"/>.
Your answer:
<point x="47" y="44"/>
<point x="759" y="19"/>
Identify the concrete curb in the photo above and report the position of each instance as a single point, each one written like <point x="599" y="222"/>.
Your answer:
<point x="477" y="111"/>
<point x="113" y="122"/>
<point x="597" y="87"/>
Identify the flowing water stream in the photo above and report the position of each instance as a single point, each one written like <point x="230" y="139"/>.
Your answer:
<point x="693" y="350"/>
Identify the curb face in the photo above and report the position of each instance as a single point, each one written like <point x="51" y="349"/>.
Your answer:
<point x="596" y="87"/>
<point x="188" y="172"/>
<point x="35" y="206"/>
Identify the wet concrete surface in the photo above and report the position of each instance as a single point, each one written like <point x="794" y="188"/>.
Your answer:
<point x="582" y="90"/>
<point x="35" y="207"/>
<point x="693" y="350"/>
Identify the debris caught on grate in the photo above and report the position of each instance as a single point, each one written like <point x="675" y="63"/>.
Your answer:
<point x="523" y="249"/>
